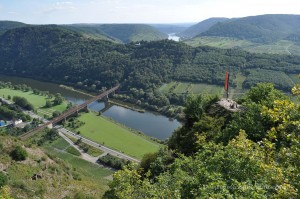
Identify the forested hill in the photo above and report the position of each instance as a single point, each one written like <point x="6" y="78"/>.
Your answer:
<point x="91" y="31"/>
<point x="122" y="33"/>
<point x="56" y="54"/>
<point x="200" y="27"/>
<point x="262" y="29"/>
<point x="132" y="32"/>
<point x="7" y="25"/>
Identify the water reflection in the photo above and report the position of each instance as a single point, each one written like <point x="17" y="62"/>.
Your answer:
<point x="153" y="125"/>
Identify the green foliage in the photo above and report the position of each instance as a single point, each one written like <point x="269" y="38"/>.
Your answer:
<point x="132" y="32"/>
<point x="12" y="112"/>
<point x="263" y="94"/>
<point x="133" y="66"/>
<point x="4" y="193"/>
<point x="58" y="99"/>
<point x="200" y="27"/>
<point x="7" y="25"/>
<point x="238" y="170"/>
<point x="48" y="104"/>
<point x="279" y="79"/>
<point x="19" y="154"/>
<point x="3" y="179"/>
<point x="21" y="101"/>
<point x="220" y="160"/>
<point x="184" y="139"/>
<point x="55" y="114"/>
<point x="260" y="29"/>
<point x="73" y="151"/>
<point x="113" y="161"/>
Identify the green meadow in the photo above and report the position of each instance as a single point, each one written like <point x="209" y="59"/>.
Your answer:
<point x="38" y="101"/>
<point x="113" y="135"/>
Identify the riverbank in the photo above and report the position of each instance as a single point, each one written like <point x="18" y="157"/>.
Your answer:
<point x="126" y="105"/>
<point x="149" y="122"/>
<point x="75" y="90"/>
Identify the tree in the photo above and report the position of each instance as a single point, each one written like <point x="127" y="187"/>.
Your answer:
<point x="4" y="193"/>
<point x="237" y="170"/>
<point x="3" y="179"/>
<point x="19" y="154"/>
<point x="48" y="104"/>
<point x="58" y="99"/>
<point x="21" y="101"/>
<point x="55" y="114"/>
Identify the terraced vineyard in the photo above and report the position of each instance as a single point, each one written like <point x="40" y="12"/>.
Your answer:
<point x="191" y="88"/>
<point x="280" y="47"/>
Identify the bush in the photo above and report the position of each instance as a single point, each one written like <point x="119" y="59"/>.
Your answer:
<point x="21" y="101"/>
<point x="19" y="154"/>
<point x="3" y="179"/>
<point x="113" y="162"/>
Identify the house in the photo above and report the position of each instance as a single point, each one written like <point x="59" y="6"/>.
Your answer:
<point x="16" y="122"/>
<point x="2" y="123"/>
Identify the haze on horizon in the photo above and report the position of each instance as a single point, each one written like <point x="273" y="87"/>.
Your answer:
<point x="137" y="11"/>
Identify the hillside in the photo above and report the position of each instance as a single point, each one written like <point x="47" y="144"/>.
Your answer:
<point x="252" y="153"/>
<point x="259" y="29"/>
<point x="132" y="32"/>
<point x="7" y="25"/>
<point x="52" y="53"/>
<point x="91" y="31"/>
<point x="200" y="27"/>
<point x="50" y="170"/>
<point x="286" y="47"/>
<point x="171" y="28"/>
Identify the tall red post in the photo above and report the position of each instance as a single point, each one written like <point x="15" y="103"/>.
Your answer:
<point x="226" y="86"/>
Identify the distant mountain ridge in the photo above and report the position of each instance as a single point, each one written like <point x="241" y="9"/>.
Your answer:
<point x="120" y="33"/>
<point x="260" y="29"/>
<point x="7" y="25"/>
<point x="200" y="27"/>
<point x="171" y="28"/>
<point x="133" y="32"/>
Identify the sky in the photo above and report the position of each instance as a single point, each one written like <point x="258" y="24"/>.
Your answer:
<point x="138" y="11"/>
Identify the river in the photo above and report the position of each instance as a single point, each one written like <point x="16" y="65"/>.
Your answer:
<point x="153" y="125"/>
<point x="173" y="37"/>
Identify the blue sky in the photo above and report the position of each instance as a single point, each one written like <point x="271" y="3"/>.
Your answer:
<point x="138" y="11"/>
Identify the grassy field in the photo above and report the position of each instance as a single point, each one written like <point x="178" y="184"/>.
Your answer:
<point x="280" y="47"/>
<point x="104" y="131"/>
<point x="38" y="101"/>
<point x="190" y="88"/>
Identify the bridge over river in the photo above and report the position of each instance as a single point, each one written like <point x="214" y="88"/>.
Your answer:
<point x="71" y="111"/>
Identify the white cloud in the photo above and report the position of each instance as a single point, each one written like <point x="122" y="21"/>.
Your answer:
<point x="65" y="5"/>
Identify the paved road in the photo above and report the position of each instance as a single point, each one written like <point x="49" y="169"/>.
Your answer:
<point x="96" y="145"/>
<point x="84" y="156"/>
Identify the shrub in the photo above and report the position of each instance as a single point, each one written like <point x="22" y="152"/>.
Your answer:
<point x="113" y="162"/>
<point x="19" y="154"/>
<point x="3" y="179"/>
